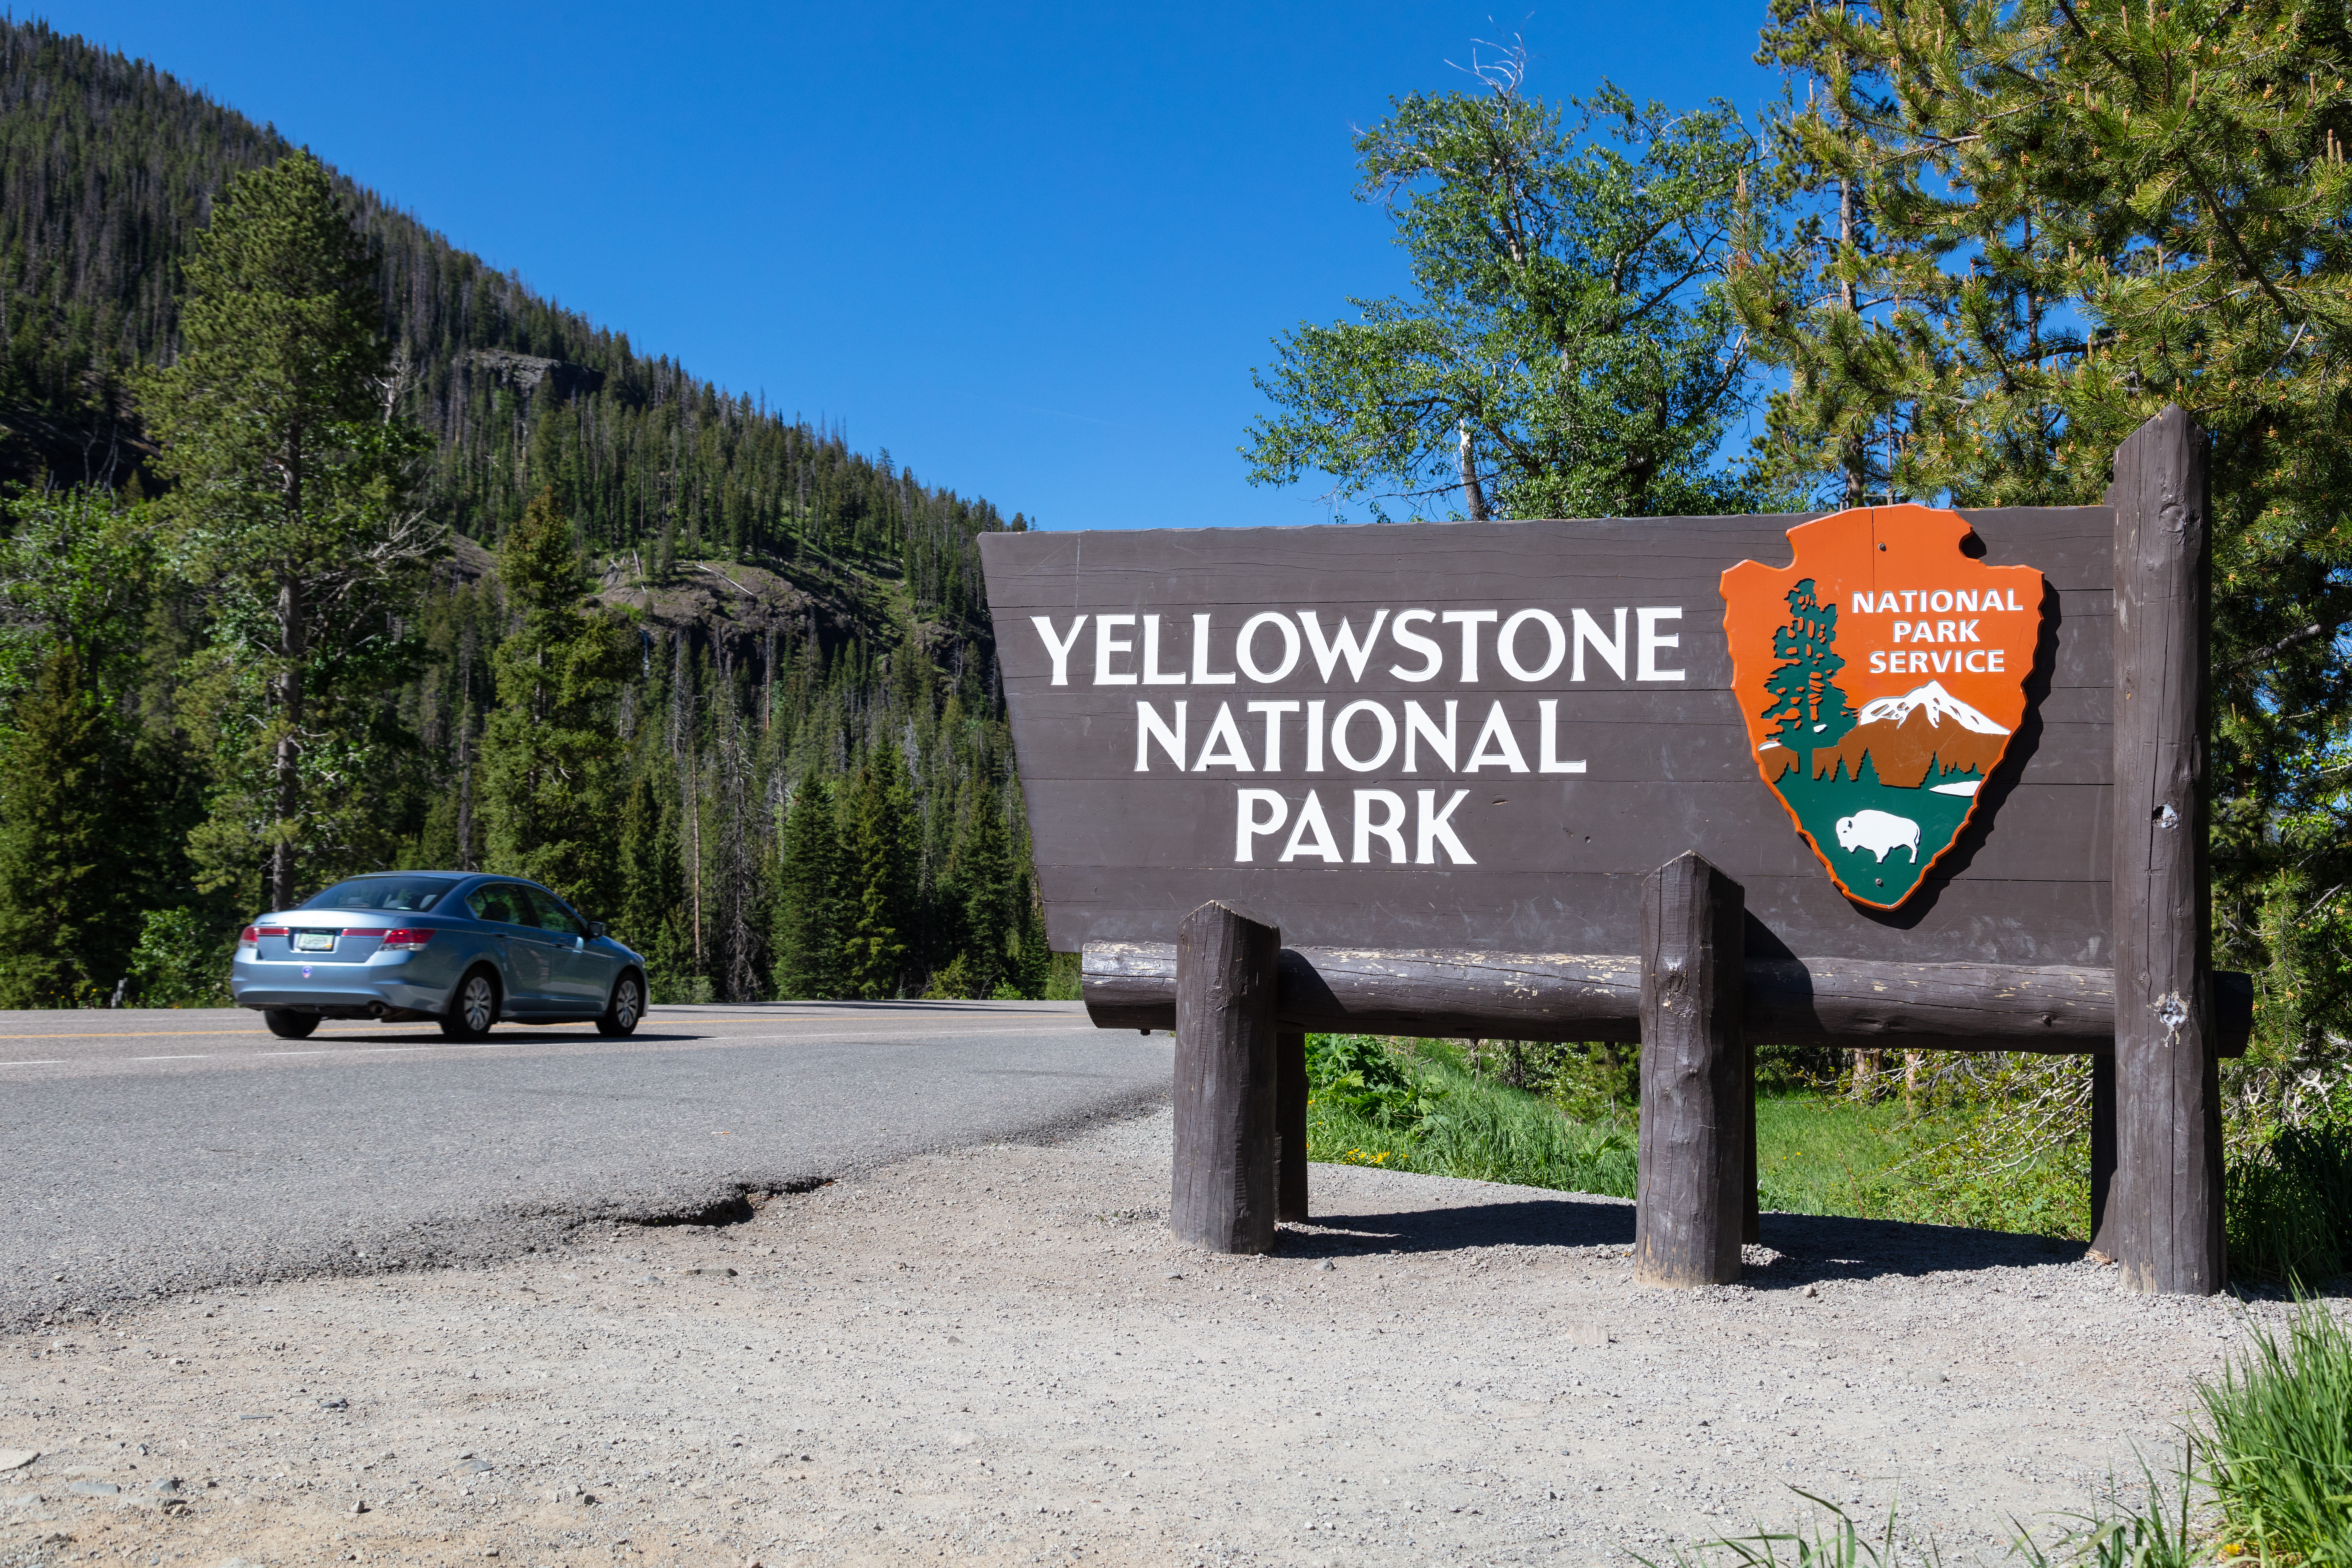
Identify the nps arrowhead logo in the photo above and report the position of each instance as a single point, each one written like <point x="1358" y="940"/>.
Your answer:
<point x="1881" y="677"/>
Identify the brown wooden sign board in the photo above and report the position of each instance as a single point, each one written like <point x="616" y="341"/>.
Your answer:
<point x="1627" y="750"/>
<point x="1536" y="777"/>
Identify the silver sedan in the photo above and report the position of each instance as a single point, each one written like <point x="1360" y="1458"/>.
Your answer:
<point x="455" y="948"/>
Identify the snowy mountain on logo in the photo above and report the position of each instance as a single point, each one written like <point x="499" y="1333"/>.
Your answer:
<point x="1938" y="702"/>
<point x="1907" y="737"/>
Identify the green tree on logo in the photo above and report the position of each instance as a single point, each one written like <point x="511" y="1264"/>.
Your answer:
<point x="1807" y="703"/>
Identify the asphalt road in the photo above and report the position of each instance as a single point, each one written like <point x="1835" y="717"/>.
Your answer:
<point x="151" y="1152"/>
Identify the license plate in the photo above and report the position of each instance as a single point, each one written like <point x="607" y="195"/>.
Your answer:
<point x="314" y="941"/>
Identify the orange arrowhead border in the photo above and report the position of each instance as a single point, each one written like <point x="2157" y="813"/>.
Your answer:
<point x="1874" y="550"/>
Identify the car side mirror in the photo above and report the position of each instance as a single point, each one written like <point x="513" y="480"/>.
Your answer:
<point x="595" y="928"/>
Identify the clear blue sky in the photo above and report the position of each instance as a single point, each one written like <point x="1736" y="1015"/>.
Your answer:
<point x="1035" y="251"/>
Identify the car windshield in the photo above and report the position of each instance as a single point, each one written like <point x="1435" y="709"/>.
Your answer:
<point x="410" y="893"/>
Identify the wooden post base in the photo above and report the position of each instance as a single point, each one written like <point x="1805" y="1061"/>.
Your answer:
<point x="1290" y="1125"/>
<point x="2102" y="1150"/>
<point x="1224" y="1196"/>
<point x="1691" y="1205"/>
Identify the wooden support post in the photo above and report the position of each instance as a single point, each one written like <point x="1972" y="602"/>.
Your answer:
<point x="1751" y="1221"/>
<point x="1688" y="1208"/>
<point x="2165" y="1206"/>
<point x="1290" y="1124"/>
<point x="2102" y="1149"/>
<point x="1223" y="1193"/>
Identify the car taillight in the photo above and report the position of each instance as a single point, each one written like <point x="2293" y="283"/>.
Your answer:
<point x="404" y="939"/>
<point x="253" y="934"/>
<point x="248" y="937"/>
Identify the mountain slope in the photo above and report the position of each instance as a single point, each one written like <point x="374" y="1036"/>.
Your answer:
<point x="797" y="604"/>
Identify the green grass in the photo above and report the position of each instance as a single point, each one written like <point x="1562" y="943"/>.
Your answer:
<point x="2005" y="1160"/>
<point x="1823" y="1154"/>
<point x="1473" y="1126"/>
<point x="2278" y="1442"/>
<point x="2289" y="1206"/>
<point x="1816" y="1154"/>
<point x="2269" y="1480"/>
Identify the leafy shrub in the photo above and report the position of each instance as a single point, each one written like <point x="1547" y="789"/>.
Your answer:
<point x="180" y="960"/>
<point x="680" y="990"/>
<point x="1358" y="1071"/>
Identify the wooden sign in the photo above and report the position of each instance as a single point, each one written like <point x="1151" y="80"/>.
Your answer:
<point x="1539" y="779"/>
<point x="1881" y="675"/>
<point x="1484" y="736"/>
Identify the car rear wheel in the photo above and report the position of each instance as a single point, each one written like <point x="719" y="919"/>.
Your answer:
<point x="289" y="1026"/>
<point x="473" y="1009"/>
<point x="628" y="1005"/>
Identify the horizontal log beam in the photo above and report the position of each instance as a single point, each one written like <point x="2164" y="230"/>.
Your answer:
<point x="1586" y="997"/>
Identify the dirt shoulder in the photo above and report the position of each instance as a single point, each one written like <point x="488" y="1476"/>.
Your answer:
<point x="999" y="1355"/>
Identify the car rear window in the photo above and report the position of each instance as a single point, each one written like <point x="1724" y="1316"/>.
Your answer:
<point x="414" y="894"/>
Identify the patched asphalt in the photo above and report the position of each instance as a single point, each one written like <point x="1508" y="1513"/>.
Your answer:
<point x="151" y="1152"/>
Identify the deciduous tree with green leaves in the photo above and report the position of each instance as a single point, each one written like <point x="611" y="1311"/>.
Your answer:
<point x="1567" y="352"/>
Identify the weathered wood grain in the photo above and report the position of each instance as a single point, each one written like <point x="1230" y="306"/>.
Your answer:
<point x="1122" y="854"/>
<point x="1290" y="1126"/>
<point x="1597" y="997"/>
<point x="2166" y="1201"/>
<point x="1690" y="1199"/>
<point x="1751" y="1208"/>
<point x="1223" y="1197"/>
<point x="2102" y="1150"/>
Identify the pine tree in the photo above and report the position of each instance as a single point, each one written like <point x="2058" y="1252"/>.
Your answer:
<point x="809" y="941"/>
<point x="2089" y="209"/>
<point x="277" y="424"/>
<point x="1808" y="703"/>
<point x="1033" y="960"/>
<point x="987" y="888"/>
<point x="551" y="758"/>
<point x="652" y="904"/>
<point x="68" y="903"/>
<point x="877" y="907"/>
<point x="109" y="159"/>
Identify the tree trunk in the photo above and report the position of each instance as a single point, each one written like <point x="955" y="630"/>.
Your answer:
<point x="292" y="645"/>
<point x="1474" y="497"/>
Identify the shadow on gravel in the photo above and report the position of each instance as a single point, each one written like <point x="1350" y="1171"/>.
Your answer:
<point x="1812" y="1247"/>
<point x="1533" y="1221"/>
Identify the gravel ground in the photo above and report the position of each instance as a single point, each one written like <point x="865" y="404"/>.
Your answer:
<point x="999" y="1355"/>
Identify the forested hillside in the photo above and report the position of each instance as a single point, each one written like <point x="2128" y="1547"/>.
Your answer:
<point x="809" y="784"/>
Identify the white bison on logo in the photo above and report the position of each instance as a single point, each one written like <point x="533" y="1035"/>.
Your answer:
<point x="1880" y="832"/>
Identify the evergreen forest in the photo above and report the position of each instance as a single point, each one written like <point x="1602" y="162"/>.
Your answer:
<point x="329" y="548"/>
